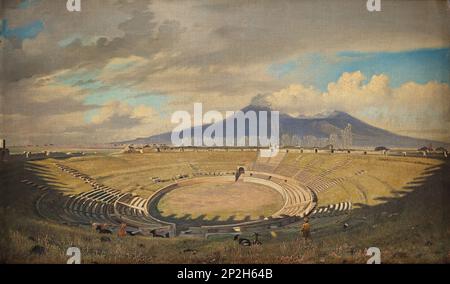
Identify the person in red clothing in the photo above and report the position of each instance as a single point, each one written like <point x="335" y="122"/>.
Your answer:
<point x="122" y="232"/>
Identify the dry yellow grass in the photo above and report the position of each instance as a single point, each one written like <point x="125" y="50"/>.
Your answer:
<point x="403" y="211"/>
<point x="223" y="200"/>
<point x="134" y="172"/>
<point x="381" y="178"/>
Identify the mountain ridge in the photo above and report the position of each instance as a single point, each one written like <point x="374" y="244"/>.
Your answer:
<point x="320" y="126"/>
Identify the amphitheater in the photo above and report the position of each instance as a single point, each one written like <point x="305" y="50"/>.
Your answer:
<point x="293" y="175"/>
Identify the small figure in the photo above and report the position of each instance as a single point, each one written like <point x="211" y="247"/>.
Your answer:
<point x="247" y="242"/>
<point x="257" y="242"/>
<point x="306" y="230"/>
<point x="242" y="241"/>
<point x="102" y="228"/>
<point x="122" y="232"/>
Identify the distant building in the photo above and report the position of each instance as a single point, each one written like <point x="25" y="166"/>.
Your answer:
<point x="128" y="149"/>
<point x="347" y="137"/>
<point x="425" y="148"/>
<point x="4" y="152"/>
<point x="333" y="139"/>
<point x="342" y="139"/>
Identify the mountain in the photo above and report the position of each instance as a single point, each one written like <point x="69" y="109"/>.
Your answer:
<point x="321" y="126"/>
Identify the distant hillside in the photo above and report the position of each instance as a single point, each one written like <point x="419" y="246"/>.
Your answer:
<point x="364" y="135"/>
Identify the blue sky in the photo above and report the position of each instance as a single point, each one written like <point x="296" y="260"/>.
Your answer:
<point x="100" y="94"/>
<point x="131" y="97"/>
<point x="318" y="70"/>
<point x="24" y="4"/>
<point x="160" y="57"/>
<point x="421" y="66"/>
<point x="28" y="31"/>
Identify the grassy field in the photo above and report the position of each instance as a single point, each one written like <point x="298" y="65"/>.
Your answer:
<point x="221" y="201"/>
<point x="133" y="172"/>
<point x="401" y="206"/>
<point x="379" y="178"/>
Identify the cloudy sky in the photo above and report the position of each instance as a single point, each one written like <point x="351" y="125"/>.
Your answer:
<point x="118" y="69"/>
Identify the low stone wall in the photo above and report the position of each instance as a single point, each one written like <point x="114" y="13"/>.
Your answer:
<point x="159" y="193"/>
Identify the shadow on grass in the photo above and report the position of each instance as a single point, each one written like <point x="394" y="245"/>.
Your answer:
<point x="422" y="203"/>
<point x="42" y="182"/>
<point x="416" y="217"/>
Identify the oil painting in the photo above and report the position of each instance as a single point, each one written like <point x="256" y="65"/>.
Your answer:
<point x="218" y="132"/>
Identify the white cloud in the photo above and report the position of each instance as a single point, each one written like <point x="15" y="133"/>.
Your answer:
<point x="408" y="109"/>
<point x="214" y="52"/>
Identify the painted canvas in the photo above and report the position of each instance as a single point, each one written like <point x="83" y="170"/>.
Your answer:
<point x="224" y="131"/>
